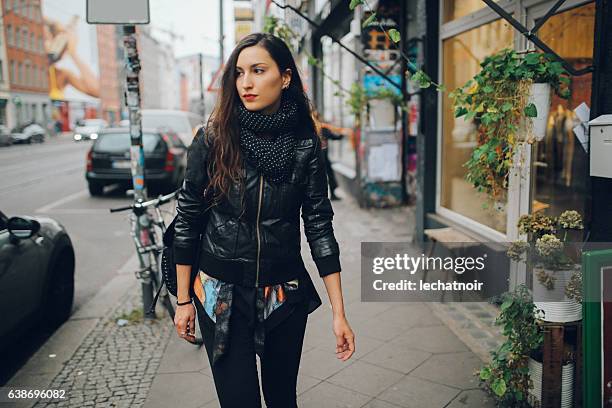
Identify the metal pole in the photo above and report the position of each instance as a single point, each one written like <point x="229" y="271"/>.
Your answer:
<point x="202" y="107"/>
<point x="132" y="100"/>
<point x="221" y="50"/>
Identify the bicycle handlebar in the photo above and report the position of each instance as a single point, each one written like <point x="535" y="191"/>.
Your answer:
<point x="155" y="203"/>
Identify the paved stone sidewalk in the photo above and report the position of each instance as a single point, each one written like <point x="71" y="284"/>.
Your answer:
<point x="406" y="356"/>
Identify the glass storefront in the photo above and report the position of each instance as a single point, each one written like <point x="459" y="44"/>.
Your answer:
<point x="558" y="179"/>
<point x="461" y="59"/>
<point x="560" y="163"/>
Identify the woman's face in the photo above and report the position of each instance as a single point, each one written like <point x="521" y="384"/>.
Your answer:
<point x="259" y="82"/>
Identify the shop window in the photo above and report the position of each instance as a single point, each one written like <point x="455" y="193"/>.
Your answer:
<point x="9" y="34"/>
<point x="560" y="163"/>
<point x="27" y="74"/>
<point x="462" y="55"/>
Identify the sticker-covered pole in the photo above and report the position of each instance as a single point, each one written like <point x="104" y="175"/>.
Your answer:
<point x="132" y="100"/>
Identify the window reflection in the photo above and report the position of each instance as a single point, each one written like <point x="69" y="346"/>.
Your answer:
<point x="560" y="164"/>
<point x="462" y="55"/>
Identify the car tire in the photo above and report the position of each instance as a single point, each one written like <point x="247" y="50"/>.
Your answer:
<point x="95" y="189"/>
<point x="29" y="140"/>
<point x="60" y="290"/>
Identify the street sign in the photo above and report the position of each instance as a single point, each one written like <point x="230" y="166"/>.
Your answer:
<point x="118" y="12"/>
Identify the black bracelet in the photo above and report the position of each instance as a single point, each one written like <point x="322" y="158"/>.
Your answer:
<point x="184" y="303"/>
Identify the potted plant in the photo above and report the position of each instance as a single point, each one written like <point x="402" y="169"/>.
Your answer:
<point x="556" y="270"/>
<point x="506" y="377"/>
<point x="513" y="377"/>
<point x="502" y="101"/>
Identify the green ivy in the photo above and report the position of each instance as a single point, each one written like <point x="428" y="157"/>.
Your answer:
<point x="496" y="100"/>
<point x="506" y="377"/>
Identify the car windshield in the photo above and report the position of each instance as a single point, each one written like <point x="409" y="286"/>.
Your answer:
<point x="120" y="142"/>
<point x="177" y="123"/>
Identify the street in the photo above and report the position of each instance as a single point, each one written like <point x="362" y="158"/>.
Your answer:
<point x="48" y="180"/>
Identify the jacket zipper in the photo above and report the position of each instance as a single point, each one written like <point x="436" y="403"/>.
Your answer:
<point x="257" y="226"/>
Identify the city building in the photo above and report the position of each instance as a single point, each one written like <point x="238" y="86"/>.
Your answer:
<point x="26" y="63"/>
<point x="71" y="48"/>
<point x="160" y="76"/>
<point x="418" y="154"/>
<point x="110" y="55"/>
<point x="189" y="67"/>
<point x="4" y="74"/>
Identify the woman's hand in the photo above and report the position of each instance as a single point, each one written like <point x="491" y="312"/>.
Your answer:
<point x="345" y="339"/>
<point x="184" y="322"/>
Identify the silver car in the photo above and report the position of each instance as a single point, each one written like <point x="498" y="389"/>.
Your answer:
<point x="89" y="129"/>
<point x="28" y="133"/>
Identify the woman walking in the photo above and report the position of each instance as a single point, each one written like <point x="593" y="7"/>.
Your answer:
<point x="252" y="170"/>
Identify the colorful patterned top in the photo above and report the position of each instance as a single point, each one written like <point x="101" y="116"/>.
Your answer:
<point x="265" y="306"/>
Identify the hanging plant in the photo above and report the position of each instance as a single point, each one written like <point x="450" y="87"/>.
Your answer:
<point x="497" y="100"/>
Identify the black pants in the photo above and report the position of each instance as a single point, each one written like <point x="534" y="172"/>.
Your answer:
<point x="235" y="373"/>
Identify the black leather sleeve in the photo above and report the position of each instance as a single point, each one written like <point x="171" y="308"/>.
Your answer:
<point x="190" y="202"/>
<point x="317" y="214"/>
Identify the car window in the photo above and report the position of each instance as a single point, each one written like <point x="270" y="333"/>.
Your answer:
<point x="2" y="224"/>
<point x="177" y="123"/>
<point x="120" y="142"/>
<point x="175" y="140"/>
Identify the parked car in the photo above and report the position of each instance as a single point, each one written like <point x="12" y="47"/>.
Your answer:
<point x="88" y="129"/>
<point x="108" y="160"/>
<point x="183" y="123"/>
<point x="28" y="133"/>
<point x="36" y="275"/>
<point x="5" y="136"/>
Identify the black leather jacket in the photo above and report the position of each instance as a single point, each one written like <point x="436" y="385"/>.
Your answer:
<point x="257" y="245"/>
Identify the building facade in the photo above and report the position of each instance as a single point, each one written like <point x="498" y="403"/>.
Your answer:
<point x="198" y="71"/>
<point x="110" y="55"/>
<point x="71" y="49"/>
<point x="26" y="63"/>
<point x="4" y="74"/>
<point x="424" y="151"/>
<point x="160" y="75"/>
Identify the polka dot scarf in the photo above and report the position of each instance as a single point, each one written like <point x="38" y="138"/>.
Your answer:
<point x="268" y="141"/>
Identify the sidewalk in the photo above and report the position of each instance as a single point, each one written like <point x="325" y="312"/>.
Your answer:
<point x="406" y="356"/>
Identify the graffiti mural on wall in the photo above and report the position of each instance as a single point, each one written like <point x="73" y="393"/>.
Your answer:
<point x="71" y="47"/>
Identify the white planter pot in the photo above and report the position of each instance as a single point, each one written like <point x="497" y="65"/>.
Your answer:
<point x="567" y="384"/>
<point x="539" y="95"/>
<point x="557" y="307"/>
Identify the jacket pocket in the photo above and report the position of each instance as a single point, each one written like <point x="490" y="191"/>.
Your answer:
<point x="224" y="239"/>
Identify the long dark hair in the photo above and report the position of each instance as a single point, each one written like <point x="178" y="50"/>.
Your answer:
<point x="222" y="126"/>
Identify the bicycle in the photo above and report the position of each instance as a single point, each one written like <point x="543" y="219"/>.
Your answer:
<point x="147" y="230"/>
